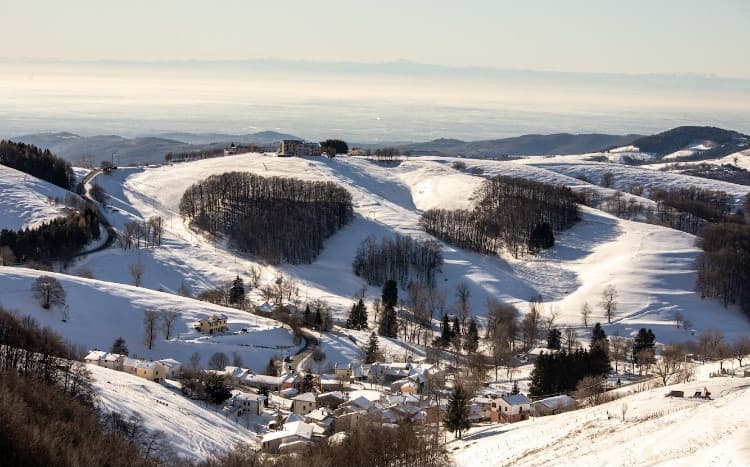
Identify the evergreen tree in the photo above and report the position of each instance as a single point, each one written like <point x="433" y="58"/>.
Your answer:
<point x="598" y="334"/>
<point x="390" y="293"/>
<point x="307" y="316"/>
<point x="271" y="368"/>
<point x="445" y="334"/>
<point x="472" y="337"/>
<point x="216" y="389"/>
<point x="237" y="292"/>
<point x="457" y="414"/>
<point x="456" y="327"/>
<point x="371" y="351"/>
<point x="644" y="340"/>
<point x="307" y="383"/>
<point x="554" y="339"/>
<point x="318" y="320"/>
<point x="515" y="389"/>
<point x="388" y="326"/>
<point x="119" y="346"/>
<point x="357" y="316"/>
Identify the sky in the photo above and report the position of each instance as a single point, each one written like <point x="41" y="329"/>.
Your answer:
<point x="633" y="36"/>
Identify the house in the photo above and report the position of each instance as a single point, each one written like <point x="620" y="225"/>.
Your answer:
<point x="481" y="409"/>
<point x="290" y="380"/>
<point x="303" y="404"/>
<point x="262" y="382"/>
<point x="293" y="436"/>
<point x="233" y="149"/>
<point x="112" y="361"/>
<point x="330" y="383"/>
<point x="247" y="404"/>
<point x="213" y="324"/>
<point x="152" y="371"/>
<point x="553" y="405"/>
<point x="537" y="351"/>
<point x="389" y="372"/>
<point x="172" y="367"/>
<point x="510" y="408"/>
<point x="299" y="148"/>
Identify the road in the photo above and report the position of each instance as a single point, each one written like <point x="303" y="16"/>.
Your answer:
<point x="111" y="233"/>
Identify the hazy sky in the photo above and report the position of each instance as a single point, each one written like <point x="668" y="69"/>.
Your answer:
<point x="632" y="36"/>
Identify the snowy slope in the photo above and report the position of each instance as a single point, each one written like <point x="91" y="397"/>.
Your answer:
<point x="101" y="311"/>
<point x="656" y="431"/>
<point x="651" y="266"/>
<point x="25" y="200"/>
<point x="194" y="431"/>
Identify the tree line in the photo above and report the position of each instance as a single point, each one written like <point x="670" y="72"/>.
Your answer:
<point x="278" y="219"/>
<point x="515" y="214"/>
<point x="37" y="162"/>
<point x="59" y="238"/>
<point x="401" y="258"/>
<point x="146" y="233"/>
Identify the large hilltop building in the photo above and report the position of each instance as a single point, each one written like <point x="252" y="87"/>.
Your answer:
<point x="297" y="147"/>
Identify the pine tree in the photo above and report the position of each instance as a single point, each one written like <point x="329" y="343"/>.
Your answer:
<point x="457" y="414"/>
<point x="361" y="315"/>
<point x="390" y="293"/>
<point x="445" y="334"/>
<point x="237" y="292"/>
<point x="515" y="389"/>
<point x="371" y="351"/>
<point x="352" y="319"/>
<point x="307" y="383"/>
<point x="472" y="337"/>
<point x="456" y="327"/>
<point x="271" y="368"/>
<point x="388" y="326"/>
<point x="307" y="316"/>
<point x="318" y="320"/>
<point x="554" y="339"/>
<point x="119" y="346"/>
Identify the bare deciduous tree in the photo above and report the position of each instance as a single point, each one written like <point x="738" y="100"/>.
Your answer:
<point x="218" y="361"/>
<point x="670" y="362"/>
<point x="136" y="271"/>
<point x="609" y="301"/>
<point x="168" y="319"/>
<point x="150" y="326"/>
<point x="463" y="305"/>
<point x="585" y="313"/>
<point x="48" y="292"/>
<point x="741" y="348"/>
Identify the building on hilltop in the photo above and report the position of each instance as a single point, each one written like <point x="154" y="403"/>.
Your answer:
<point x="298" y="148"/>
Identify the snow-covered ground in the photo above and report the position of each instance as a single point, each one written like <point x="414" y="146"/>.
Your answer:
<point x="25" y="201"/>
<point x="99" y="312"/>
<point x="657" y="431"/>
<point x="194" y="431"/>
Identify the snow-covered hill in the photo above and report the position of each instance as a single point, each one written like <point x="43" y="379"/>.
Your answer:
<point x="26" y="201"/>
<point x="101" y="311"/>
<point x="657" y="431"/>
<point x="193" y="431"/>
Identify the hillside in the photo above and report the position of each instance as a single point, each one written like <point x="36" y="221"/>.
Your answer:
<point x="656" y="431"/>
<point x="652" y="266"/>
<point x="100" y="311"/>
<point x="27" y="201"/>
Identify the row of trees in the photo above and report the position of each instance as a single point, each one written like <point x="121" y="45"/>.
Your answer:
<point x="401" y="258"/>
<point x="515" y="214"/>
<point x="59" y="238"/>
<point x="145" y="234"/>
<point x="37" y="162"/>
<point x="278" y="219"/>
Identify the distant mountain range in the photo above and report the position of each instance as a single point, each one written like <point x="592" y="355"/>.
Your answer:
<point x="559" y="143"/>
<point x="151" y="149"/>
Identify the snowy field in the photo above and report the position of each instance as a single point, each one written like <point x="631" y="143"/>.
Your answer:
<point x="194" y="431"/>
<point x="25" y="200"/>
<point x="101" y="311"/>
<point x="657" y="431"/>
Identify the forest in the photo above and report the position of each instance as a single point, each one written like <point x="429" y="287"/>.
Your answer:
<point x="280" y="220"/>
<point x="400" y="258"/>
<point x="59" y="238"/>
<point x="37" y="162"/>
<point x="724" y="265"/>
<point x="513" y="214"/>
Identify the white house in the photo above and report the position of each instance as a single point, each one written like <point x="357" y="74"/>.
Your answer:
<point x="247" y="404"/>
<point x="171" y="366"/>
<point x="510" y="408"/>
<point x="290" y="436"/>
<point x="104" y="359"/>
<point x="303" y="404"/>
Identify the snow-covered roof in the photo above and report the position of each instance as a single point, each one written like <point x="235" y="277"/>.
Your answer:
<point x="337" y="394"/>
<point x="101" y="355"/>
<point x="305" y="397"/>
<point x="516" y="399"/>
<point x="263" y="379"/>
<point x="143" y="364"/>
<point x="536" y="351"/>
<point x="557" y="402"/>
<point x="362" y="402"/>
<point x="300" y="428"/>
<point x="289" y="392"/>
<point x="169" y="362"/>
<point x="293" y="417"/>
